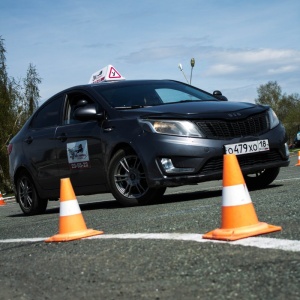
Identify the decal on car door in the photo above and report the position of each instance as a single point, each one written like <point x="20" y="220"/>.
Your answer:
<point x="78" y="155"/>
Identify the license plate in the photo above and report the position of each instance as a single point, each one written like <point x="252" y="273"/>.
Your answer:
<point x="247" y="147"/>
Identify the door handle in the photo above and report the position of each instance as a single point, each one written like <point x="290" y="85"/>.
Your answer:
<point x="62" y="137"/>
<point x="28" y="140"/>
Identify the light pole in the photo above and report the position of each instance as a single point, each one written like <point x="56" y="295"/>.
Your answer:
<point x="192" y="67"/>
<point x="181" y="69"/>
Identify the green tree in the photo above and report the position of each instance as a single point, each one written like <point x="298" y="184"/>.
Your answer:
<point x="270" y="94"/>
<point x="31" y="91"/>
<point x="292" y="118"/>
<point x="17" y="102"/>
<point x="287" y="107"/>
<point x="7" y="104"/>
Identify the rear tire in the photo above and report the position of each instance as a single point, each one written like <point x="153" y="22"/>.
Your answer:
<point x="128" y="181"/>
<point x="27" y="196"/>
<point x="261" y="179"/>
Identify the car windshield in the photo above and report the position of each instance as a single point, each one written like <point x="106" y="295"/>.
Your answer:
<point x="150" y="94"/>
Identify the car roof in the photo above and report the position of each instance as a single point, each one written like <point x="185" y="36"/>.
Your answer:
<point x="128" y="82"/>
<point x="117" y="83"/>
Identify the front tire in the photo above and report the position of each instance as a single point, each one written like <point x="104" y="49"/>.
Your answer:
<point x="128" y="181"/>
<point x="261" y="179"/>
<point x="27" y="196"/>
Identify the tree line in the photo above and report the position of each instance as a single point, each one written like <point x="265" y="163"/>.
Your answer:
<point x="287" y="107"/>
<point x="19" y="99"/>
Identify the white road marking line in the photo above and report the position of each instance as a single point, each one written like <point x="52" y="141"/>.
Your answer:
<point x="258" y="242"/>
<point x="28" y="240"/>
<point x="264" y="243"/>
<point x="287" y="179"/>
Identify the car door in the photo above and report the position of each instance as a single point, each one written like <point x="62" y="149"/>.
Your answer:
<point x="79" y="148"/>
<point x="39" y="144"/>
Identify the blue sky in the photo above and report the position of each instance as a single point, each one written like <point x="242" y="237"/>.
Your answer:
<point x="237" y="44"/>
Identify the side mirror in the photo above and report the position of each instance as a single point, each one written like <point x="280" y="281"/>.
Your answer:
<point x="81" y="102"/>
<point x="219" y="95"/>
<point x="87" y="112"/>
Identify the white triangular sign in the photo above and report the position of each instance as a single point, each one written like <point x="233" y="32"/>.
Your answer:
<point x="113" y="73"/>
<point x="108" y="73"/>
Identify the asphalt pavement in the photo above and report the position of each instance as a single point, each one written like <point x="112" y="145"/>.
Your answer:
<point x="156" y="251"/>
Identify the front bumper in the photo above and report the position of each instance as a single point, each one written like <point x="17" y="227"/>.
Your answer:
<point x="199" y="160"/>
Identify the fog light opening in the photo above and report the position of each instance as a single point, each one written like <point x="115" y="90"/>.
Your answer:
<point x="168" y="166"/>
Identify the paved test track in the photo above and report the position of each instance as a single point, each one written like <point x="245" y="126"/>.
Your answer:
<point x="157" y="251"/>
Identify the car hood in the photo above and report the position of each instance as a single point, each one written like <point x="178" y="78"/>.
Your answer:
<point x="203" y="109"/>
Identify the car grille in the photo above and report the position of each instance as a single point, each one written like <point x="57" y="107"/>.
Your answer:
<point x="221" y="129"/>
<point x="216" y="164"/>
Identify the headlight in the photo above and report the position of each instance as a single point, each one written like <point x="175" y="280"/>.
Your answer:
<point x="273" y="119"/>
<point x="181" y="128"/>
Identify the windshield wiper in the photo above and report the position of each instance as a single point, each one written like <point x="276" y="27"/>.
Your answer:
<point x="181" y="101"/>
<point x="129" y="107"/>
<point x="137" y="106"/>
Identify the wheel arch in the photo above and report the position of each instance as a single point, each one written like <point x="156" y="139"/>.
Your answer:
<point x="127" y="147"/>
<point x="121" y="146"/>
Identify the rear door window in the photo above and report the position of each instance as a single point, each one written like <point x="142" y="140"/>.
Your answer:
<point x="48" y="115"/>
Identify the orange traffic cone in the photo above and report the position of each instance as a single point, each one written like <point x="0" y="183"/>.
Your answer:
<point x="298" y="164"/>
<point x="71" y="222"/>
<point x="2" y="202"/>
<point x="239" y="219"/>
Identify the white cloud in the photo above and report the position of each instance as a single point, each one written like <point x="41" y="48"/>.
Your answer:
<point x="283" y="69"/>
<point x="222" y="69"/>
<point x="254" y="63"/>
<point x="261" y="56"/>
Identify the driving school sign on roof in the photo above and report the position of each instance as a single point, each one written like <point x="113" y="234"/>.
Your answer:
<point x="108" y="73"/>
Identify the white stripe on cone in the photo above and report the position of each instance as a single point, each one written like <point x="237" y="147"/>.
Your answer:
<point x="235" y="195"/>
<point x="68" y="208"/>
